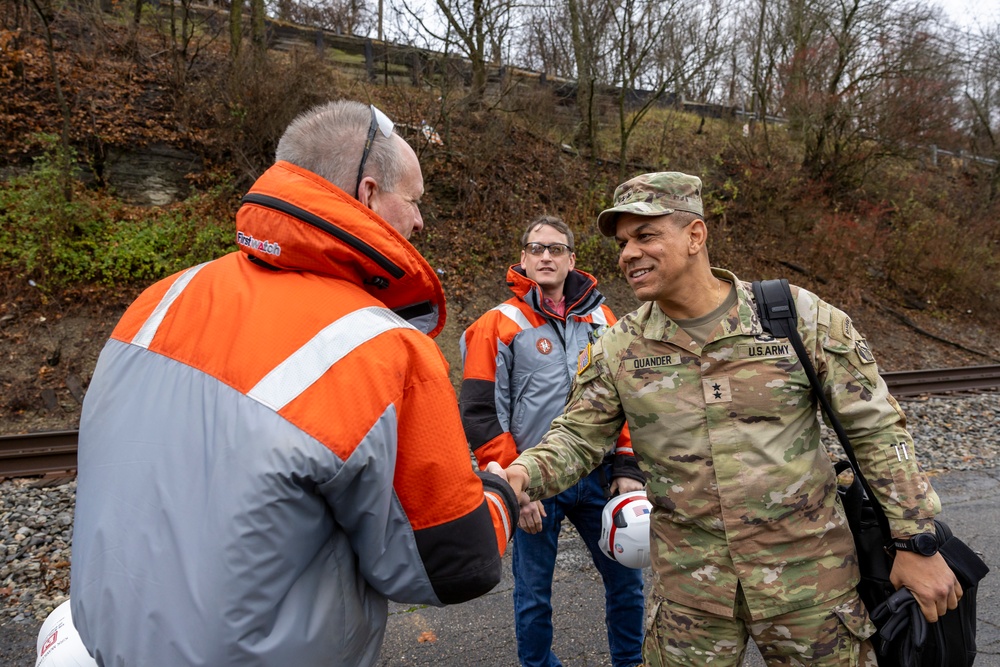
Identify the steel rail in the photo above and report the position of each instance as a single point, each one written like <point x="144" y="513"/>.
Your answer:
<point x="42" y="453"/>
<point x="942" y="380"/>
<point x="54" y="452"/>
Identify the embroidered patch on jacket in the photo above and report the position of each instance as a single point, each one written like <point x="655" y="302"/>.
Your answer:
<point x="717" y="390"/>
<point x="848" y="328"/>
<point x="643" y="363"/>
<point x="544" y="345"/>
<point x="861" y="345"/>
<point x="583" y="361"/>
<point x="257" y="244"/>
<point x="772" y="350"/>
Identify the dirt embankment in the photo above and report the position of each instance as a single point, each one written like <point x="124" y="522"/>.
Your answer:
<point x="49" y="347"/>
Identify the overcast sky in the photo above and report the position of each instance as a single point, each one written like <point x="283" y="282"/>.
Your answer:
<point x="969" y="13"/>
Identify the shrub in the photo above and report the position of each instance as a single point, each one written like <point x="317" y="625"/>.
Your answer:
<point x="95" y="238"/>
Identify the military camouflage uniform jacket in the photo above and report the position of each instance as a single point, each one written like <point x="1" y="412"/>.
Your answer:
<point x="729" y="439"/>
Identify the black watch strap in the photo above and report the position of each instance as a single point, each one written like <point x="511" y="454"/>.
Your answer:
<point x="925" y="544"/>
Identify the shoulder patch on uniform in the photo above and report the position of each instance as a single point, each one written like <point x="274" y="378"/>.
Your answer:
<point x="823" y="314"/>
<point x="584" y="360"/>
<point x="864" y="353"/>
<point x="840" y="328"/>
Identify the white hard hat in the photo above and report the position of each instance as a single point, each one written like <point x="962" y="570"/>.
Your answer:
<point x="59" y="644"/>
<point x="625" y="529"/>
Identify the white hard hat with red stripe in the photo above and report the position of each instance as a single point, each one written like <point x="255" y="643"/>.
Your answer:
<point x="625" y="529"/>
<point x="59" y="644"/>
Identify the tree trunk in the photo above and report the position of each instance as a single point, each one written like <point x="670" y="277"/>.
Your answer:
<point x="64" y="159"/>
<point x="258" y="30"/>
<point x="235" y="29"/>
<point x="587" y="132"/>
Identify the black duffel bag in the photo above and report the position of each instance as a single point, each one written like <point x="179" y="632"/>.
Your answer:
<point x="951" y="642"/>
<point x="904" y="639"/>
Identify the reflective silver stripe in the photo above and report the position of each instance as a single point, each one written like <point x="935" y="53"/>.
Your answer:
<point x="308" y="363"/>
<point x="514" y="313"/>
<point x="145" y="335"/>
<point x="598" y="316"/>
<point x="501" y="510"/>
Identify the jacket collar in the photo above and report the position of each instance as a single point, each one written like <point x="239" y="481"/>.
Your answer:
<point x="294" y="220"/>
<point x="580" y="291"/>
<point x="740" y="320"/>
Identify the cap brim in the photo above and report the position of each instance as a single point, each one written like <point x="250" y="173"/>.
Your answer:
<point x="607" y="219"/>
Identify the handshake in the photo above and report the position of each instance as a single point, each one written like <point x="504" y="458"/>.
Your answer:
<point x="532" y="512"/>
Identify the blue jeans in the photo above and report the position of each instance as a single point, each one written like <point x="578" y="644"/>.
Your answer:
<point x="534" y="562"/>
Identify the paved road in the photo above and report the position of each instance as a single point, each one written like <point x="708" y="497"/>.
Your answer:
<point x="481" y="633"/>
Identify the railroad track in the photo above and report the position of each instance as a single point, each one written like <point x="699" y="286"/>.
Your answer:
<point x="42" y="453"/>
<point x="943" y="381"/>
<point x="54" y="452"/>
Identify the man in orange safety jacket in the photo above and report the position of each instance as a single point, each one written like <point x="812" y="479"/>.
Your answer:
<point x="270" y="447"/>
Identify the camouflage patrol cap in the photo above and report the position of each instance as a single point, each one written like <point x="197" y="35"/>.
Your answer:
<point x="660" y="193"/>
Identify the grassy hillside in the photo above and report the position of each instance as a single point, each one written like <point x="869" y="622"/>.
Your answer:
<point x="908" y="238"/>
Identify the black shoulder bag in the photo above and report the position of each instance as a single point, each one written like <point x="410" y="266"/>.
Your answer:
<point x="905" y="638"/>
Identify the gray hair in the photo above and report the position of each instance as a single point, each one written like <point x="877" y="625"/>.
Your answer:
<point x="682" y="219"/>
<point x="329" y="139"/>
<point x="550" y="221"/>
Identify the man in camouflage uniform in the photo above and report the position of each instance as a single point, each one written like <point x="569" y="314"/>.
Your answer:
<point x="750" y="538"/>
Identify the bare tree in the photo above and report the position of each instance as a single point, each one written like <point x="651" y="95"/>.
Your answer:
<point x="639" y="27"/>
<point x="869" y="82"/>
<point x="691" y="50"/>
<point x="235" y="29"/>
<point x="258" y="28"/>
<point x="344" y="17"/>
<point x="544" y="44"/>
<point x="186" y="31"/>
<point x="258" y="33"/>
<point x="47" y="14"/>
<point x="982" y="99"/>
<point x="591" y="23"/>
<point x="478" y="29"/>
<point x="766" y="32"/>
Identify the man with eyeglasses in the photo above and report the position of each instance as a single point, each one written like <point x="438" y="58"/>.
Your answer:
<point x="271" y="447"/>
<point x="519" y="362"/>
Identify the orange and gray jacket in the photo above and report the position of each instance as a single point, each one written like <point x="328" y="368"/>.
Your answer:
<point x="270" y="448"/>
<point x="519" y="361"/>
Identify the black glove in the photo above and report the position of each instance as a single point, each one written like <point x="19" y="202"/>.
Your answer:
<point x="900" y="619"/>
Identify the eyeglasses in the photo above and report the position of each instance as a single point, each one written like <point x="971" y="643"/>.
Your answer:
<point x="379" y="122"/>
<point x="555" y="249"/>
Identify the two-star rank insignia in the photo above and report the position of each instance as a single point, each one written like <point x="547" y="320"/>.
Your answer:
<point x="716" y="390"/>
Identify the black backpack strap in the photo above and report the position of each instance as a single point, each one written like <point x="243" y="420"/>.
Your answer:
<point x="777" y="314"/>
<point x="775" y="307"/>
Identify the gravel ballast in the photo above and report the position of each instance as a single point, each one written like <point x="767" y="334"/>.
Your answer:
<point x="36" y="519"/>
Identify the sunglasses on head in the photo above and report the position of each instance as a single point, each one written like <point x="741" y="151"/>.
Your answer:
<point x="380" y="122"/>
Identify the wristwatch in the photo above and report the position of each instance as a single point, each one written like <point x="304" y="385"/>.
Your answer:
<point x="925" y="544"/>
